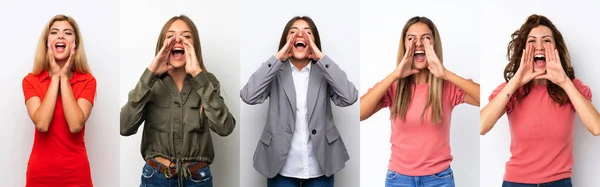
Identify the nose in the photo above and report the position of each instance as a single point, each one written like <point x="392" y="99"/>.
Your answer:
<point x="419" y="42"/>
<point x="538" y="46"/>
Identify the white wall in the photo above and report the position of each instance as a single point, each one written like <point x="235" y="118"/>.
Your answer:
<point x="23" y="22"/>
<point x="576" y="22"/>
<point x="217" y="23"/>
<point x="262" y="25"/>
<point x="381" y="24"/>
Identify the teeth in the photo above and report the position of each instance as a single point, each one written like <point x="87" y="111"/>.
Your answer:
<point x="299" y="42"/>
<point x="60" y="45"/>
<point x="419" y="52"/>
<point x="178" y="48"/>
<point x="539" y="56"/>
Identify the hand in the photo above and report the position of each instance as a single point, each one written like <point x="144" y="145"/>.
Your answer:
<point x="434" y="65"/>
<point x="54" y="68"/>
<point x="286" y="51"/>
<point x="554" y="69"/>
<point x="526" y="73"/>
<point x="65" y="71"/>
<point x="404" y="68"/>
<point x="313" y="51"/>
<point x="192" y="66"/>
<point x="160" y="64"/>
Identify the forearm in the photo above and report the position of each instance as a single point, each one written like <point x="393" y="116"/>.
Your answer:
<point x="470" y="87"/>
<point x="344" y="93"/>
<point x="73" y="113"/>
<point x="490" y="114"/>
<point x="587" y="112"/>
<point x="44" y="113"/>
<point x="370" y="101"/>
<point x="217" y="112"/>
<point x="256" y="90"/>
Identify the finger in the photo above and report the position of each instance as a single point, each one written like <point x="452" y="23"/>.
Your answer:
<point x="556" y="56"/>
<point x="414" y="71"/>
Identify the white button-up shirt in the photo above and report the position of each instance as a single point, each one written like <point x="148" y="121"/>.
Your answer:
<point x="301" y="161"/>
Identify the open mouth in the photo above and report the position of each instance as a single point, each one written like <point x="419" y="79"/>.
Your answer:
<point x="539" y="60"/>
<point x="419" y="56"/>
<point x="177" y="53"/>
<point x="60" y="47"/>
<point x="300" y="45"/>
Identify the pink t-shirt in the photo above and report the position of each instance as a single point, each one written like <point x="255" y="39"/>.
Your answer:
<point x="541" y="136"/>
<point x="422" y="148"/>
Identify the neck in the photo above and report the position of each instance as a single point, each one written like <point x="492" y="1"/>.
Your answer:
<point x="61" y="63"/>
<point x="299" y="63"/>
<point x="421" y="77"/>
<point x="540" y="81"/>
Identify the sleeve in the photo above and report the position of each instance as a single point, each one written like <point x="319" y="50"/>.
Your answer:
<point x="454" y="94"/>
<point x="132" y="114"/>
<point x="386" y="99"/>
<point x="510" y="103"/>
<point x="89" y="91"/>
<point x="342" y="92"/>
<point x="257" y="90"/>
<point x="583" y="89"/>
<point x="220" y="119"/>
<point x="29" y="88"/>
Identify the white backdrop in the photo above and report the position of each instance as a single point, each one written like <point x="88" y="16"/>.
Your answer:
<point x="262" y="25"/>
<point x="574" y="20"/>
<point x="23" y="23"/>
<point x="380" y="31"/>
<point x="217" y="23"/>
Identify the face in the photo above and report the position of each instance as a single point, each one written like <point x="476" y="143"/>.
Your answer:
<point x="417" y="34"/>
<point x="61" y="37"/>
<point x="299" y="51"/>
<point x="178" y="28"/>
<point x="540" y="37"/>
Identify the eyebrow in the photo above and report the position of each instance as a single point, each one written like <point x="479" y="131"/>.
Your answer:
<point x="183" y="31"/>
<point x="542" y="36"/>
<point x="426" y="34"/>
<point x="297" y="28"/>
<point x="59" y="29"/>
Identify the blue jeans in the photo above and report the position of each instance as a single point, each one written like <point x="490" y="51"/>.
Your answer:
<point x="441" y="179"/>
<point x="154" y="178"/>
<point x="559" y="183"/>
<point x="281" y="181"/>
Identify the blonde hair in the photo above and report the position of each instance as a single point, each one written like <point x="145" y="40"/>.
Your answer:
<point x="436" y="85"/>
<point x="42" y="61"/>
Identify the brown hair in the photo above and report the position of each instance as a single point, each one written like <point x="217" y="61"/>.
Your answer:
<point x="515" y="51"/>
<point x="41" y="61"/>
<point x="436" y="85"/>
<point x="195" y="37"/>
<point x="311" y="24"/>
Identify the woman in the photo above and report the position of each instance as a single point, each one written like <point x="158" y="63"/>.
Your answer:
<point x="59" y="94"/>
<point x="540" y="97"/>
<point x="180" y="103"/>
<point x="300" y="144"/>
<point x="421" y="95"/>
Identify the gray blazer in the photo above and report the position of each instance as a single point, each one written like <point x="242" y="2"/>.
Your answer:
<point x="326" y="82"/>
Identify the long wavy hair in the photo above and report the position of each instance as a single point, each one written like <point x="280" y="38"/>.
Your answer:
<point x="404" y="86"/>
<point x="515" y="51"/>
<point x="311" y="24"/>
<point x="41" y="60"/>
<point x="195" y="37"/>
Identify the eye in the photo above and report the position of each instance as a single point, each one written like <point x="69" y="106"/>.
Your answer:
<point x="53" y="32"/>
<point x="188" y="37"/>
<point x="410" y="39"/>
<point x="547" y="41"/>
<point x="69" y="33"/>
<point x="170" y="36"/>
<point x="531" y="41"/>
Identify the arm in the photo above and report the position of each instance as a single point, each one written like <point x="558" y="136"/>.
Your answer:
<point x="132" y="114"/>
<point x="256" y="91"/>
<point x="41" y="112"/>
<point x="370" y="102"/>
<point x="221" y="121"/>
<point x="470" y="87"/>
<point x="586" y="111"/>
<point x="342" y="93"/>
<point x="76" y="112"/>
<point x="490" y="114"/>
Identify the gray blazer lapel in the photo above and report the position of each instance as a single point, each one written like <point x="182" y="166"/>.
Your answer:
<point x="287" y="82"/>
<point x="314" y="84"/>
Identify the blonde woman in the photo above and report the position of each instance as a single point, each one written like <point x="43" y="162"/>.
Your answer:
<point x="59" y="94"/>
<point x="179" y="103"/>
<point x="421" y="94"/>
